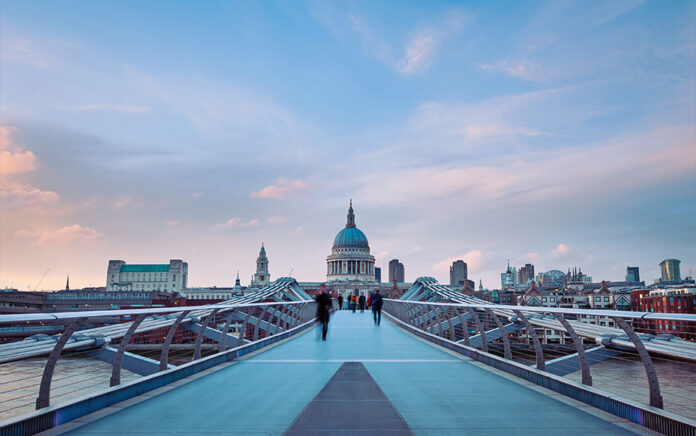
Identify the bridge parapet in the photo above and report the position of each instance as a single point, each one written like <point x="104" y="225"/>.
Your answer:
<point x="179" y="335"/>
<point x="553" y="340"/>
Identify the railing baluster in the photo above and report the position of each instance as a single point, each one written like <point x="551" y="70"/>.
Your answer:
<point x="222" y="346"/>
<point x="45" y="389"/>
<point x="539" y="351"/>
<point x="465" y="327"/>
<point x="482" y="331"/>
<point x="584" y="366"/>
<point x="653" y="382"/>
<point x="118" y="360"/>
<point x="164" y="357"/>
<point x="201" y="333"/>
<point x="503" y="335"/>
<point x="258" y="324"/>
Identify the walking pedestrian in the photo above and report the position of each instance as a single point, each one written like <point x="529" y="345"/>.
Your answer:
<point x="361" y="302"/>
<point x="377" y="301"/>
<point x="323" y="307"/>
<point x="353" y="303"/>
<point x="340" y="302"/>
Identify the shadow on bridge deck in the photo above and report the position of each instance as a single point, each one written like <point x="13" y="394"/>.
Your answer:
<point x="434" y="391"/>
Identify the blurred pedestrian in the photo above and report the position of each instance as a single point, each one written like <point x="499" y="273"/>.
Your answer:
<point x="340" y="302"/>
<point x="323" y="308"/>
<point x="361" y="302"/>
<point x="377" y="301"/>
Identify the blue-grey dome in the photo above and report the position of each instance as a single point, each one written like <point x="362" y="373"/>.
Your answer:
<point x="351" y="237"/>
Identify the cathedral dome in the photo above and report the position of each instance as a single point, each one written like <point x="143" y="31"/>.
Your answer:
<point x="350" y="237"/>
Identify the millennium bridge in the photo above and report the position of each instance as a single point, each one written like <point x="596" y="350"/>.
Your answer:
<point x="440" y="362"/>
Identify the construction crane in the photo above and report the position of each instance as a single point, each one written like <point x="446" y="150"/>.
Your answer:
<point x="40" y="280"/>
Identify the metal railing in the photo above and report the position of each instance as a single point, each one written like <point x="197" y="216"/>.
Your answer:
<point x="560" y="342"/>
<point x="170" y="336"/>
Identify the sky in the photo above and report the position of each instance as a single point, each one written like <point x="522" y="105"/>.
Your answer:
<point x="558" y="133"/>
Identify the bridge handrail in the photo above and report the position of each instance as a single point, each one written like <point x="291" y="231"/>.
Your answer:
<point x="38" y="317"/>
<point x="565" y="311"/>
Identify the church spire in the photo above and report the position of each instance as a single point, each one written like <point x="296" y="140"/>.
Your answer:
<point x="351" y="215"/>
<point x="67" y="283"/>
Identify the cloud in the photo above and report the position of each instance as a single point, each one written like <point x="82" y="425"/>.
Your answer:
<point x="23" y="51"/>
<point x="62" y="236"/>
<point x="621" y="162"/>
<point x="197" y="194"/>
<point x="283" y="188"/>
<point x="125" y="108"/>
<point x="562" y="248"/>
<point x="278" y="219"/>
<point x="297" y="231"/>
<point x="6" y="137"/>
<point x="14" y="196"/>
<point x="172" y="223"/>
<point x="120" y="203"/>
<point x="419" y="53"/>
<point x="524" y="69"/>
<point x="473" y="259"/>
<point x="16" y="163"/>
<point x="237" y="223"/>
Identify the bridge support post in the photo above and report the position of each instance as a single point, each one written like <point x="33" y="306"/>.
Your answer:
<point x="451" y="316"/>
<point x="482" y="331"/>
<point x="242" y="332"/>
<point x="118" y="360"/>
<point x="222" y="345"/>
<point x="653" y="382"/>
<point x="45" y="388"/>
<point x="199" y="337"/>
<point x="258" y="324"/>
<point x="465" y="326"/>
<point x="535" y="339"/>
<point x="164" y="357"/>
<point x="503" y="335"/>
<point x="584" y="366"/>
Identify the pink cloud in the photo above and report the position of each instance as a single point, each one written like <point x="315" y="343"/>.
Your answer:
<point x="237" y="223"/>
<point x="14" y="196"/>
<point x="283" y="188"/>
<point x="120" y="203"/>
<point x="473" y="259"/>
<point x="278" y="219"/>
<point x="62" y="236"/>
<point x="5" y="139"/>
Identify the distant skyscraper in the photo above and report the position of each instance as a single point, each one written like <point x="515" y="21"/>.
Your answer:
<point x="670" y="270"/>
<point x="525" y="274"/>
<point x="632" y="274"/>
<point x="378" y="274"/>
<point x="458" y="273"/>
<point x="396" y="271"/>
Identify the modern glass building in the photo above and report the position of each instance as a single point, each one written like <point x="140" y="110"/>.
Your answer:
<point x="670" y="270"/>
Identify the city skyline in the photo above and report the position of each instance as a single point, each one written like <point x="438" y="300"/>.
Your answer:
<point x="555" y="134"/>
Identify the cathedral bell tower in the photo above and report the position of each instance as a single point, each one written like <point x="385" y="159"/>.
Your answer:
<point x="261" y="277"/>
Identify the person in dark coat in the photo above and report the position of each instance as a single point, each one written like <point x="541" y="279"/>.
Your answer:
<point x="340" y="302"/>
<point x="361" y="303"/>
<point x="323" y="307"/>
<point x="377" y="301"/>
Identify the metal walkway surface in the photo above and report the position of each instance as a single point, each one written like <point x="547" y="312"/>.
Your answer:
<point x="434" y="391"/>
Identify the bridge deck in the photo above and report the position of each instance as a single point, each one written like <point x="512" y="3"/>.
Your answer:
<point x="434" y="391"/>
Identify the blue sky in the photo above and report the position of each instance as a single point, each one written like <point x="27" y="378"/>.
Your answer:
<point x="558" y="133"/>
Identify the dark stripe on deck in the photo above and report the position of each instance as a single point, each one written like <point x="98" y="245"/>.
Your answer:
<point x="350" y="403"/>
